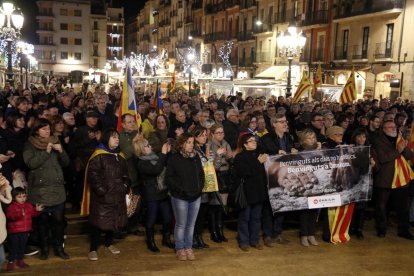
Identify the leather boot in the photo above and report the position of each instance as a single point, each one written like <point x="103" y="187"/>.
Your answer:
<point x="213" y="228"/>
<point x="44" y="248"/>
<point x="196" y="242"/>
<point x="220" y="226"/>
<point x="166" y="237"/>
<point x="60" y="252"/>
<point x="201" y="242"/>
<point x="150" y="240"/>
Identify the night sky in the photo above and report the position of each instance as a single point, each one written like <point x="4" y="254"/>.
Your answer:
<point x="29" y="9"/>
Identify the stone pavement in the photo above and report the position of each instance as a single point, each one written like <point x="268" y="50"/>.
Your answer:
<point x="372" y="256"/>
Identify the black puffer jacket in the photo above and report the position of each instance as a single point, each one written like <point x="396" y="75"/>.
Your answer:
<point x="149" y="176"/>
<point x="108" y="180"/>
<point x="184" y="176"/>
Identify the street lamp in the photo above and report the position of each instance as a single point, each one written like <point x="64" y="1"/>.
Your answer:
<point x="290" y="43"/>
<point x="190" y="58"/>
<point x="11" y="21"/>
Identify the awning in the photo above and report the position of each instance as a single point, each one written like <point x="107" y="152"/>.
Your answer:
<point x="273" y="72"/>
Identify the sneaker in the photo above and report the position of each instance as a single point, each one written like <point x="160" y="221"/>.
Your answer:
<point x="190" y="254"/>
<point x="181" y="255"/>
<point x="30" y="251"/>
<point x="304" y="241"/>
<point x="10" y="266"/>
<point x="21" y="264"/>
<point x="113" y="249"/>
<point x="312" y="240"/>
<point x="93" y="256"/>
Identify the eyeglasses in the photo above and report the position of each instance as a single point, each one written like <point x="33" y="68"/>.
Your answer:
<point x="147" y="146"/>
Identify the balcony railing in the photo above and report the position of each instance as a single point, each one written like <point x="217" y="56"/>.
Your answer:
<point x="265" y="27"/>
<point x="318" y="55"/>
<point x="341" y="53"/>
<point x="245" y="36"/>
<point x="197" y="5"/>
<point x="367" y="7"/>
<point x="183" y="44"/>
<point x="304" y="57"/>
<point x="232" y="3"/>
<point x="264" y="57"/>
<point x="284" y="16"/>
<point x="245" y="4"/>
<point x="46" y="14"/>
<point x="317" y="17"/>
<point x="46" y="29"/>
<point x="196" y="33"/>
<point x="358" y="53"/>
<point x="383" y="50"/>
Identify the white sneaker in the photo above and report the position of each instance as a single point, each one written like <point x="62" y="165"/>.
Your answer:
<point x="113" y="249"/>
<point x="93" y="256"/>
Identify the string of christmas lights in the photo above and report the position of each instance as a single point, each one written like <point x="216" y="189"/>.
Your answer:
<point x="224" y="53"/>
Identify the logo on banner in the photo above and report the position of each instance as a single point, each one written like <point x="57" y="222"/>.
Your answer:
<point x="324" y="201"/>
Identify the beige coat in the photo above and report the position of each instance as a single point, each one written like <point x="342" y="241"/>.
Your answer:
<point x="6" y="199"/>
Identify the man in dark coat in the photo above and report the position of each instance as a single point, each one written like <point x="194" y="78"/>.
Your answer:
<point x="232" y="128"/>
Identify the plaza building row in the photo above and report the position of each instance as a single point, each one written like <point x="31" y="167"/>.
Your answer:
<point x="371" y="37"/>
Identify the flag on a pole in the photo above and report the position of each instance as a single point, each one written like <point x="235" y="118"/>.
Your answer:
<point x="349" y="92"/>
<point x="403" y="172"/>
<point x="317" y="80"/>
<point x="303" y="86"/>
<point x="128" y="104"/>
<point x="157" y="101"/>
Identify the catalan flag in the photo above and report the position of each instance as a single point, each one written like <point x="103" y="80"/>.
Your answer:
<point x="339" y="221"/>
<point x="128" y="104"/>
<point x="348" y="94"/>
<point x="157" y="101"/>
<point x="317" y="80"/>
<point x="411" y="142"/>
<point x="403" y="172"/>
<point x="303" y="86"/>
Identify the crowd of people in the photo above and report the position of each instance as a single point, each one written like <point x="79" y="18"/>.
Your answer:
<point x="59" y="148"/>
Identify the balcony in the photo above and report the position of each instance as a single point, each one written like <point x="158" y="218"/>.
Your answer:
<point x="383" y="50"/>
<point x="367" y="7"/>
<point x="304" y="57"/>
<point x="246" y="62"/>
<point x="44" y="29"/>
<point x="315" y="18"/>
<point x="264" y="57"/>
<point x="245" y="36"/>
<point x="197" y="5"/>
<point x="317" y="55"/>
<point x="358" y="53"/>
<point x="264" y="28"/>
<point x="188" y="20"/>
<point x="45" y="15"/>
<point x="209" y="9"/>
<point x="341" y="53"/>
<point x="183" y="44"/>
<point x="246" y="4"/>
<point x="284" y="16"/>
<point x="232" y="3"/>
<point x="196" y="33"/>
<point x="173" y="13"/>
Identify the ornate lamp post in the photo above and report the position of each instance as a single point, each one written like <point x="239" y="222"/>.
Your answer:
<point x="290" y="43"/>
<point x="11" y="21"/>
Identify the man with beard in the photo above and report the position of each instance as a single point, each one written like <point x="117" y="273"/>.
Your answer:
<point x="389" y="149"/>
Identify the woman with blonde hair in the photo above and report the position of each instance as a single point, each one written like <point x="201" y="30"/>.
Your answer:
<point x="151" y="168"/>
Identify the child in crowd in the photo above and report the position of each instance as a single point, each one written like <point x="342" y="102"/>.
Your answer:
<point x="19" y="225"/>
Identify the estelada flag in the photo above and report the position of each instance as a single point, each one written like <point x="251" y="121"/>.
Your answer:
<point x="157" y="101"/>
<point x="339" y="221"/>
<point x="303" y="86"/>
<point x="349" y="93"/>
<point x="86" y="191"/>
<point x="403" y="172"/>
<point x="128" y="104"/>
<point x="317" y="80"/>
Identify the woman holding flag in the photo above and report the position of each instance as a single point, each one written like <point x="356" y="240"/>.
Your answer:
<point x="106" y="184"/>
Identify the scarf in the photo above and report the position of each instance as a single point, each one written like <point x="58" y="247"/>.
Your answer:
<point x="188" y="154"/>
<point x="41" y="143"/>
<point x="152" y="157"/>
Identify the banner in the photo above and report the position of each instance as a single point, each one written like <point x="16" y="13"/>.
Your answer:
<point x="320" y="178"/>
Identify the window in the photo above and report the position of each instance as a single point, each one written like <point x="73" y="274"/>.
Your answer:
<point x="345" y="44"/>
<point x="95" y="25"/>
<point x="64" y="12"/>
<point x="388" y="42"/>
<point x="78" y="56"/>
<point x="95" y="62"/>
<point x="64" y="55"/>
<point x="78" y="13"/>
<point x="64" y="40"/>
<point x="78" y="27"/>
<point x="64" y="26"/>
<point x="78" y="41"/>
<point x="365" y="36"/>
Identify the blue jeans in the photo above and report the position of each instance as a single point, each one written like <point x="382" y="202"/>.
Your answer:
<point x="248" y="225"/>
<point x="2" y="256"/>
<point x="272" y="223"/>
<point x="185" y="213"/>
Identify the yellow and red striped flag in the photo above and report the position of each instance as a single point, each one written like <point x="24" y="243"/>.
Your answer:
<point x="317" y="80"/>
<point x="411" y="142"/>
<point x="403" y="172"/>
<point x="303" y="86"/>
<point x="339" y="221"/>
<point x="349" y="92"/>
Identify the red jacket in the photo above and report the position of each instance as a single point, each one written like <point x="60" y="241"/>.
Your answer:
<point x="19" y="217"/>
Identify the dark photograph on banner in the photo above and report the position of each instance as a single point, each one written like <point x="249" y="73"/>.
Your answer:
<point x="309" y="179"/>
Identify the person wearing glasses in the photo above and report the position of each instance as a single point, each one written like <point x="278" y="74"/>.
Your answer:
<point x="318" y="126"/>
<point x="388" y="150"/>
<point x="278" y="141"/>
<point x="249" y="169"/>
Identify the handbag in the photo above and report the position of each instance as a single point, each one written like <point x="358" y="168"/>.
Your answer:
<point x="133" y="202"/>
<point x="210" y="178"/>
<point x="237" y="197"/>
